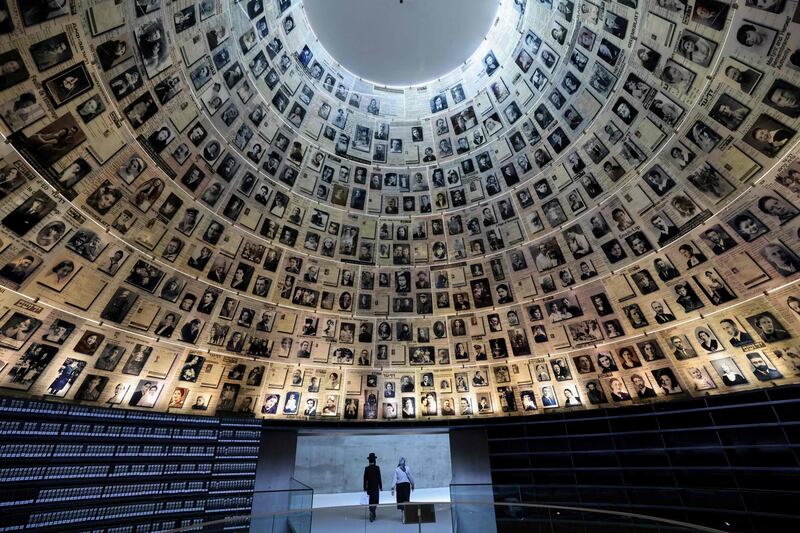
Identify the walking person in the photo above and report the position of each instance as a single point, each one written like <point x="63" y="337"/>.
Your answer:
<point x="372" y="484"/>
<point x="403" y="482"/>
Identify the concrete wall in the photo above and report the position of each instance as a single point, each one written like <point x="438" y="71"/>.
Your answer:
<point x="334" y="463"/>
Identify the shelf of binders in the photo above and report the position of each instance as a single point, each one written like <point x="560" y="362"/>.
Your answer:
<point x="67" y="467"/>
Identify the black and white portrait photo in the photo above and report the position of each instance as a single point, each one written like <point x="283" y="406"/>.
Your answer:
<point x="119" y="305"/>
<point x="51" y="52"/>
<point x="29" y="367"/>
<point x="768" y="327"/>
<point x="696" y="48"/>
<point x="151" y="40"/>
<point x="21" y="111"/>
<point x="768" y="136"/>
<point x="755" y="38"/>
<point x="29" y="213"/>
<point x="145" y="394"/>
<point x="91" y="108"/>
<point x="490" y="63"/>
<point x="784" y="97"/>
<point x="37" y="11"/>
<point x="54" y="141"/>
<point x="140" y="110"/>
<point x="17" y="329"/>
<point x="68" y="84"/>
<point x="729" y="112"/>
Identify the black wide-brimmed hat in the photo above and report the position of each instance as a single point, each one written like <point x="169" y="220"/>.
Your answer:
<point x="372" y="456"/>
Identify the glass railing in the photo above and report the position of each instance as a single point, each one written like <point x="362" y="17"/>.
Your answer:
<point x="450" y="517"/>
<point x="280" y="510"/>
<point x="619" y="501"/>
<point x="301" y="501"/>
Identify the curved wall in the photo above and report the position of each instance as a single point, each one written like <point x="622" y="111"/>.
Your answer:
<point x="727" y="463"/>
<point x="203" y="212"/>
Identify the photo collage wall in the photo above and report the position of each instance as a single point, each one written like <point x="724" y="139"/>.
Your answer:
<point x="202" y="212"/>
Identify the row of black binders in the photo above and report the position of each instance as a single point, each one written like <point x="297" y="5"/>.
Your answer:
<point x="76" y="468"/>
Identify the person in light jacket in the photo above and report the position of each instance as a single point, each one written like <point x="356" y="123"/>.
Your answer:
<point x="403" y="482"/>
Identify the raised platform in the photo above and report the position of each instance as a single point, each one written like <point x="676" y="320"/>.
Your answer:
<point x="440" y="494"/>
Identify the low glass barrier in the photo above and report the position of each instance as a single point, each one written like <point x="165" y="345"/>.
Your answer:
<point x="448" y="517"/>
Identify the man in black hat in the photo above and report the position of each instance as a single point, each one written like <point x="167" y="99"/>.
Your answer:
<point x="372" y="484"/>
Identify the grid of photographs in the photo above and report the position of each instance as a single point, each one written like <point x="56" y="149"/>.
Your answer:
<point x="201" y="211"/>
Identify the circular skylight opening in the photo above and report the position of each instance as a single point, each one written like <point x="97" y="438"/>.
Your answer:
<point x="389" y="43"/>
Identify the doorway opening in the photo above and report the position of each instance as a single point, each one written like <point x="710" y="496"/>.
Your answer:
<point x="332" y="463"/>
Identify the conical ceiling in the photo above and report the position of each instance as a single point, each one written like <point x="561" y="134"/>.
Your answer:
<point x="204" y="211"/>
